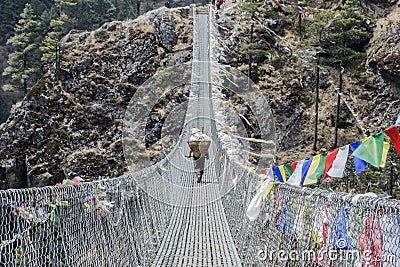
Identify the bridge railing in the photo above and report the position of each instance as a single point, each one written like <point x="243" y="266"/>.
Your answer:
<point x="102" y="223"/>
<point x="308" y="227"/>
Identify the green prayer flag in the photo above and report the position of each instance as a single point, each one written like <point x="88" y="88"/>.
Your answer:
<point x="371" y="150"/>
<point x="288" y="169"/>
<point x="320" y="169"/>
<point x="316" y="169"/>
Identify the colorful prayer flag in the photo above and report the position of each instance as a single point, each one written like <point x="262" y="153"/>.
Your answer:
<point x="282" y="170"/>
<point x="316" y="169"/>
<point x="270" y="174"/>
<point x="253" y="210"/>
<point x="288" y="169"/>
<point x="393" y="133"/>
<point x="295" y="178"/>
<point x="359" y="164"/>
<point x="329" y="160"/>
<point x="371" y="150"/>
<point x="306" y="167"/>
<point x="294" y="165"/>
<point x="339" y="164"/>
<point x="278" y="174"/>
<point x="386" y="146"/>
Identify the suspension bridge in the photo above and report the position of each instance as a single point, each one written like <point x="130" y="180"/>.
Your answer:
<point x="122" y="222"/>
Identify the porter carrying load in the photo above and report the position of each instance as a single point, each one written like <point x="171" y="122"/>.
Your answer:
<point x="199" y="144"/>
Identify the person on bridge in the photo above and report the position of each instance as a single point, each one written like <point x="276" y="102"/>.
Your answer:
<point x="218" y="4"/>
<point x="199" y="144"/>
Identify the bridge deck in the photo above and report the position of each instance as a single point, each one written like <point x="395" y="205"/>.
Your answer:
<point x="198" y="234"/>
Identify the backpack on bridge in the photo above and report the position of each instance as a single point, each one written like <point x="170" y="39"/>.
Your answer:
<point x="199" y="143"/>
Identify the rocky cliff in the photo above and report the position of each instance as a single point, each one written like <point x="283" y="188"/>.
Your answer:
<point x="73" y="127"/>
<point x="285" y="71"/>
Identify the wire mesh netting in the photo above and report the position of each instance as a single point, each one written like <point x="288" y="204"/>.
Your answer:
<point x="306" y="227"/>
<point x="105" y="223"/>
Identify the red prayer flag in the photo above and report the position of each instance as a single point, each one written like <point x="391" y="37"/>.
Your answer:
<point x="294" y="165"/>
<point x="329" y="160"/>
<point x="393" y="133"/>
<point x="264" y="171"/>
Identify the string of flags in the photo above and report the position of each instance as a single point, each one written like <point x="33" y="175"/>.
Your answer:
<point x="99" y="202"/>
<point x="372" y="150"/>
<point x="32" y="215"/>
<point x="74" y="181"/>
<point x="238" y="112"/>
<point x="45" y="211"/>
<point x="385" y="28"/>
<point x="344" y="227"/>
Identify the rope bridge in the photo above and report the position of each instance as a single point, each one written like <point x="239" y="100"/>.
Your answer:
<point x="122" y="222"/>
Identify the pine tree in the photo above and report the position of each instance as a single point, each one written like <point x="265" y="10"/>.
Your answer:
<point x="21" y="66"/>
<point x="340" y="35"/>
<point x="52" y="47"/>
<point x="93" y="13"/>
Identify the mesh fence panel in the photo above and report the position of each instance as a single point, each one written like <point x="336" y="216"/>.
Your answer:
<point x="105" y="223"/>
<point x="308" y="227"/>
<point x="114" y="223"/>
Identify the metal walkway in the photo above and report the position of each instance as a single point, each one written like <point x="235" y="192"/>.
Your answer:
<point x="198" y="235"/>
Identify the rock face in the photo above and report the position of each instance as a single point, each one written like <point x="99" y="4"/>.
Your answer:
<point x="287" y="76"/>
<point x="74" y="127"/>
<point x="383" y="55"/>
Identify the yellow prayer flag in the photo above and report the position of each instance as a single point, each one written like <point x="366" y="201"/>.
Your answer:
<point x="313" y="167"/>
<point x="386" y="146"/>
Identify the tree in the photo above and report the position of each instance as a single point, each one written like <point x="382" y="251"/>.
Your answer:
<point x="21" y="66"/>
<point x="52" y="47"/>
<point x="93" y="13"/>
<point x="340" y="35"/>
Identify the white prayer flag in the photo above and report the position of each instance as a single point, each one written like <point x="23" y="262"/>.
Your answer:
<point x="339" y="164"/>
<point x="295" y="178"/>
<point x="254" y="208"/>
<point x="270" y="174"/>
